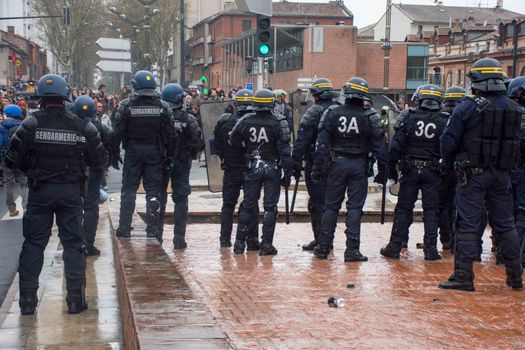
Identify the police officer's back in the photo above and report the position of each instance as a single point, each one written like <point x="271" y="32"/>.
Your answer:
<point x="347" y="134"/>
<point x="266" y="138"/>
<point x="189" y="144"/>
<point x="145" y="126"/>
<point x="85" y="108"/>
<point x="483" y="135"/>
<point x="323" y="92"/>
<point x="416" y="145"/>
<point x="234" y="168"/>
<point x="53" y="147"/>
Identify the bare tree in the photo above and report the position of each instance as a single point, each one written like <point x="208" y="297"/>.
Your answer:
<point x="73" y="45"/>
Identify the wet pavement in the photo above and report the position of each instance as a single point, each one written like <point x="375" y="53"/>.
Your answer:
<point x="281" y="302"/>
<point x="52" y="327"/>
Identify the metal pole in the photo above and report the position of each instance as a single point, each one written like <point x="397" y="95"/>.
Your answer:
<point x="387" y="46"/>
<point x="260" y="73"/>
<point x="515" y="50"/>
<point x="182" y="54"/>
<point x="122" y="80"/>
<point x="146" y="37"/>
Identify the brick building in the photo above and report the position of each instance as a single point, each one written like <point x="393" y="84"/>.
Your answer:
<point x="20" y="58"/>
<point x="453" y="51"/>
<point x="211" y="37"/>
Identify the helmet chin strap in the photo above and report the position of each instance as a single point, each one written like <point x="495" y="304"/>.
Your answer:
<point x="429" y="104"/>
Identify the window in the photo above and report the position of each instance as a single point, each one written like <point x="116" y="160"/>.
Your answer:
<point x="450" y="79"/>
<point x="246" y="25"/>
<point x="459" y="80"/>
<point x="417" y="68"/>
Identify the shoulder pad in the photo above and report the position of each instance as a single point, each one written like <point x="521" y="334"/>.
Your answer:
<point x="370" y="111"/>
<point x="332" y="107"/>
<point x="224" y="117"/>
<point x="71" y="116"/>
<point x="165" y="104"/>
<point x="280" y="117"/>
<point x="470" y="96"/>
<point x="124" y="103"/>
<point x="316" y="109"/>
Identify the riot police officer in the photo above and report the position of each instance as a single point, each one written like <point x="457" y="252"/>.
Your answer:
<point x="453" y="97"/>
<point x="189" y="144"/>
<point x="84" y="108"/>
<point x="416" y="144"/>
<point x="52" y="147"/>
<point x="145" y="126"/>
<point x="234" y="170"/>
<point x="323" y="92"/>
<point x="266" y="139"/>
<point x="516" y="92"/>
<point x="347" y="134"/>
<point x="483" y="135"/>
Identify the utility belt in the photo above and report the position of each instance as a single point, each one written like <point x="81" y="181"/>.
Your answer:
<point x="138" y="141"/>
<point x="338" y="154"/>
<point x="420" y="164"/>
<point x="464" y="170"/>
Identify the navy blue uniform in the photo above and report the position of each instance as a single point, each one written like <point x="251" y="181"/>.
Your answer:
<point x="347" y="134"/>
<point x="190" y="143"/>
<point x="53" y="147"/>
<point x="416" y="144"/>
<point x="483" y="135"/>
<point x="266" y="140"/>
<point x="304" y="148"/>
<point x="146" y="127"/>
<point x="233" y="179"/>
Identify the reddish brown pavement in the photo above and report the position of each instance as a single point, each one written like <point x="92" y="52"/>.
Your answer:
<point x="281" y="302"/>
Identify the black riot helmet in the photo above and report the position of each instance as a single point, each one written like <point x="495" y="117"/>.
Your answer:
<point x="486" y="75"/>
<point x="263" y="100"/>
<point x="517" y="90"/>
<point x="243" y="100"/>
<point x="356" y="88"/>
<point x="453" y="96"/>
<point x="323" y="89"/>
<point x="429" y="97"/>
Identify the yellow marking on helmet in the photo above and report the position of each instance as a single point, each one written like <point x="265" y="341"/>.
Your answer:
<point x="488" y="70"/>
<point x="454" y="94"/>
<point x="357" y="87"/>
<point x="85" y="107"/>
<point x="49" y="81"/>
<point x="430" y="92"/>
<point x="263" y="99"/>
<point x="148" y="78"/>
<point x="244" y="98"/>
<point x="323" y="85"/>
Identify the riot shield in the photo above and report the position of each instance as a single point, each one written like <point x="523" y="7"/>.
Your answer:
<point x="210" y="113"/>
<point x="300" y="102"/>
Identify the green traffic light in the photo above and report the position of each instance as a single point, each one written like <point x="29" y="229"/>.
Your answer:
<point x="264" y="49"/>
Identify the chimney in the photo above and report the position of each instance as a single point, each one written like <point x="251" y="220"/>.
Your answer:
<point x="229" y="5"/>
<point x="11" y="30"/>
<point x="499" y="4"/>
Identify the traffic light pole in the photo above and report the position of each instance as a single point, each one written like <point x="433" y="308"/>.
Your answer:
<point x="260" y="72"/>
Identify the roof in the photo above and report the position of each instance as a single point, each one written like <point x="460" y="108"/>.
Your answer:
<point x="331" y="9"/>
<point x="443" y="14"/>
<point x="367" y="31"/>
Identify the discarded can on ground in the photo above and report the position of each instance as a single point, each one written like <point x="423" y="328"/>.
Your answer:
<point x="336" y="302"/>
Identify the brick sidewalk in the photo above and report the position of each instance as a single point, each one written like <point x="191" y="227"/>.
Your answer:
<point x="281" y="302"/>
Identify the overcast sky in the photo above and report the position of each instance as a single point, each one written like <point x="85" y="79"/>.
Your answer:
<point x="369" y="11"/>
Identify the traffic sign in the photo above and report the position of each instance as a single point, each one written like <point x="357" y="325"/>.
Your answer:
<point x="114" y="44"/>
<point x="249" y="86"/>
<point x="114" y="66"/>
<point x="114" y="55"/>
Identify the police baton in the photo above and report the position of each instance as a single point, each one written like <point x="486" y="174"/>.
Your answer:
<point x="294" y="196"/>
<point x="286" y="203"/>
<point x="383" y="194"/>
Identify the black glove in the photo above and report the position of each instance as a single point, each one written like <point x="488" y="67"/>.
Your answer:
<point x="167" y="165"/>
<point x="115" y="160"/>
<point x="286" y="180"/>
<point x="317" y="176"/>
<point x="392" y="173"/>
<point x="297" y="171"/>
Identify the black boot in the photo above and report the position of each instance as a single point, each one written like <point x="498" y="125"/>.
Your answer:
<point x="446" y="245"/>
<point x="76" y="301"/>
<point x="430" y="250"/>
<point x="179" y="243"/>
<point x="321" y="251"/>
<point x="352" y="252"/>
<point x="225" y="243"/>
<point x="460" y="280"/>
<point x="121" y="233"/>
<point x="514" y="278"/>
<point x="391" y="250"/>
<point x="28" y="302"/>
<point x="91" y="250"/>
<point x="310" y="246"/>
<point x="252" y="244"/>
<point x="267" y="249"/>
